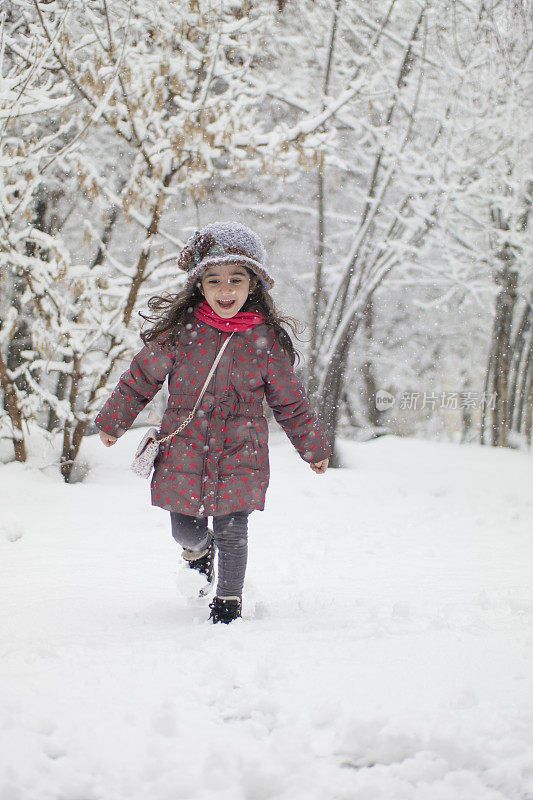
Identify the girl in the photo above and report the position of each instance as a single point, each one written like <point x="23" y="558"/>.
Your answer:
<point x="218" y="465"/>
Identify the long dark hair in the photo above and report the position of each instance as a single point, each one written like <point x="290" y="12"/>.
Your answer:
<point x="172" y="311"/>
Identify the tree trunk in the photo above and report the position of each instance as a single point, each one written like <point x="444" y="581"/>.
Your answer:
<point x="528" y="416"/>
<point x="71" y="449"/>
<point x="142" y="263"/>
<point x="318" y="290"/>
<point x="466" y="410"/>
<point x="352" y="419"/>
<point x="497" y="381"/>
<point x="60" y="392"/>
<point x="332" y="389"/>
<point x="312" y="380"/>
<point x="13" y="409"/>
<point x="526" y="397"/>
<point x="503" y="320"/>
<point x="68" y="455"/>
<point x="21" y="339"/>
<point x="519" y="356"/>
<point x="519" y="368"/>
<point x="367" y="370"/>
<point x="72" y="441"/>
<point x="488" y="380"/>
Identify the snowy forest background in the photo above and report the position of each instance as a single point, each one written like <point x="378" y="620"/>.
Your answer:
<point x="381" y="149"/>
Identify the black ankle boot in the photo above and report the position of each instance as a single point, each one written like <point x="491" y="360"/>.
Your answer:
<point x="225" y="609"/>
<point x="205" y="564"/>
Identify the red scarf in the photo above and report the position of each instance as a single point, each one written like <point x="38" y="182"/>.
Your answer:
<point x="241" y="321"/>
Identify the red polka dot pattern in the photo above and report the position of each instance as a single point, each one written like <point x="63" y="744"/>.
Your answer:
<point x="219" y="463"/>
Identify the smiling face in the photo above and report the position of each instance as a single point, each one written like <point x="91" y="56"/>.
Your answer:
<point x="226" y="287"/>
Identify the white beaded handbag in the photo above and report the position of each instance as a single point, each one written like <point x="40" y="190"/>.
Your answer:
<point x="148" y="449"/>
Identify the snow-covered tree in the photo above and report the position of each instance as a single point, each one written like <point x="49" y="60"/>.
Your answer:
<point x="163" y="97"/>
<point x="32" y="263"/>
<point x="490" y="175"/>
<point x="418" y="81"/>
<point x="390" y="160"/>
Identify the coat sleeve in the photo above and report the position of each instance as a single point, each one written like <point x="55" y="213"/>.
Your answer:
<point x="285" y="394"/>
<point x="136" y="387"/>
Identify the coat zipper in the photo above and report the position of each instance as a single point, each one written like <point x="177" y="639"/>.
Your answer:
<point x="207" y="437"/>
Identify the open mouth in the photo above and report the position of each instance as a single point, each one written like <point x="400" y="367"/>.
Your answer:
<point x="226" y="303"/>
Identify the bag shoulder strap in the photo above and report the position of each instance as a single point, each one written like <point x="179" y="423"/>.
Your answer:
<point x="213" y="368"/>
<point x="199" y="398"/>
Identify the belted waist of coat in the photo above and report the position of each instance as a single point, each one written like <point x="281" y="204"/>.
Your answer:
<point x="231" y="406"/>
<point x="227" y="405"/>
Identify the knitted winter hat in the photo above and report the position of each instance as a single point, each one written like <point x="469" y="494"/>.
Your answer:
<point x="224" y="243"/>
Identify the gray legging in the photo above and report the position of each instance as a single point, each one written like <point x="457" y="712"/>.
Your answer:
<point x="231" y="538"/>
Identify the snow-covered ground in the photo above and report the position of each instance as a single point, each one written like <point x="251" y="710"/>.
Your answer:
<point x="385" y="652"/>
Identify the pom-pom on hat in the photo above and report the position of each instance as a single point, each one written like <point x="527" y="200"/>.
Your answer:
<point x="224" y="243"/>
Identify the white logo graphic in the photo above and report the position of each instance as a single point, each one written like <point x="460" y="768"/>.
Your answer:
<point x="384" y="400"/>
